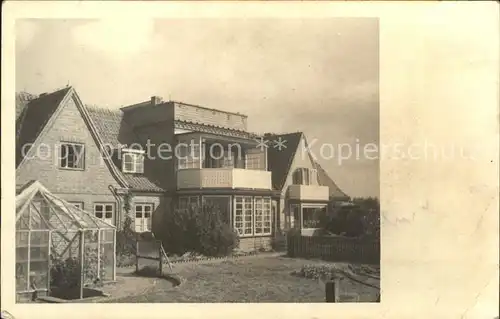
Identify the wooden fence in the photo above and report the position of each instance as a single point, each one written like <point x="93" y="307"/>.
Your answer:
<point x="340" y="249"/>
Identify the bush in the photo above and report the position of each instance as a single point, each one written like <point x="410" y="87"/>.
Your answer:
<point x="318" y="271"/>
<point x="363" y="219"/>
<point x="200" y="229"/>
<point x="65" y="273"/>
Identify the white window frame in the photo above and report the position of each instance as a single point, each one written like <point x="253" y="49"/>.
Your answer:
<point x="292" y="221"/>
<point x="262" y="215"/>
<point x="145" y="222"/>
<point x="188" y="156"/>
<point x="104" y="211"/>
<point x="253" y="161"/>
<point x="241" y="226"/>
<point x="78" y="156"/>
<point x="135" y="159"/>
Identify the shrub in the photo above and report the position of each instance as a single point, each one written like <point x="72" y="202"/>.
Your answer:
<point x="65" y="273"/>
<point x="125" y="239"/>
<point x="363" y="219"/>
<point x="200" y="229"/>
<point x="320" y="271"/>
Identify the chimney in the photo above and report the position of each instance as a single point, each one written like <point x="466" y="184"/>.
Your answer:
<point x="155" y="100"/>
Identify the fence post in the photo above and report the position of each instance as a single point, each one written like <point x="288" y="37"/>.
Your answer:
<point x="332" y="290"/>
<point x="161" y="260"/>
<point x="137" y="255"/>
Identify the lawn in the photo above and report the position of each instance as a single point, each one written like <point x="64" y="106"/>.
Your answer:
<point x="249" y="279"/>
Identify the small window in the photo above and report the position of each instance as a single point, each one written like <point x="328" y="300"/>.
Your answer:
<point x="133" y="163"/>
<point x="72" y="156"/>
<point x="143" y="213"/>
<point x="105" y="212"/>
<point x="78" y="205"/>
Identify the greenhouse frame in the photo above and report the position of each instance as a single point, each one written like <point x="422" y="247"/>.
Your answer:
<point x="58" y="244"/>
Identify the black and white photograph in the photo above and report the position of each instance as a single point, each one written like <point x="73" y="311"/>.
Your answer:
<point x="261" y="159"/>
<point x="197" y="160"/>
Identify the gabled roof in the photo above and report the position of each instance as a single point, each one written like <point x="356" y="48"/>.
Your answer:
<point x="34" y="115"/>
<point x="280" y="161"/>
<point x="69" y="217"/>
<point x="114" y="131"/>
<point x="325" y="180"/>
<point x="105" y="126"/>
<point x="22" y="98"/>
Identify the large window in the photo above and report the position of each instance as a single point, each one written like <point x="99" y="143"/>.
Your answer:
<point x="311" y="216"/>
<point x="262" y="216"/>
<point x="133" y="162"/>
<point x="252" y="216"/>
<point x="143" y="213"/>
<point x="217" y="156"/>
<point x="254" y="160"/>
<point x="105" y="211"/>
<point x="188" y="155"/>
<point x="72" y="156"/>
<point x="243" y="219"/>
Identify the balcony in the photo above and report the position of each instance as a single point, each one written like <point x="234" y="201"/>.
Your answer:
<point x="223" y="178"/>
<point x="308" y="192"/>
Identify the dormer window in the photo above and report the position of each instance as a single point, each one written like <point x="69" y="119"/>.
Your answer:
<point x="133" y="161"/>
<point x="305" y="176"/>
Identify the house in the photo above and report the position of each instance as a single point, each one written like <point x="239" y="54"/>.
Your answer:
<point x="159" y="154"/>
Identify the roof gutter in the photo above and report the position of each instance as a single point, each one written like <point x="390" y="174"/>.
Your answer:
<point x="116" y="192"/>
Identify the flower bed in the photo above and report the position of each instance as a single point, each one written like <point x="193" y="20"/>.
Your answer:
<point x="320" y="271"/>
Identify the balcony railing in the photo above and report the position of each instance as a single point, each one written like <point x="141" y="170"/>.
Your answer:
<point x="223" y="178"/>
<point x="308" y="192"/>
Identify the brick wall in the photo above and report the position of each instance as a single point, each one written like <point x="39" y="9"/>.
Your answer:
<point x="89" y="185"/>
<point x="255" y="243"/>
<point x="201" y="115"/>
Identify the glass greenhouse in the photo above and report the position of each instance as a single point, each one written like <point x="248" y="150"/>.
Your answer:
<point x="58" y="244"/>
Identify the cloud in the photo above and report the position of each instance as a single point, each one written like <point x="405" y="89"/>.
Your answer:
<point x="116" y="37"/>
<point x="25" y="33"/>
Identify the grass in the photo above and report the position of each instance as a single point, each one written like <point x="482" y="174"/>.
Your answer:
<point x="252" y="279"/>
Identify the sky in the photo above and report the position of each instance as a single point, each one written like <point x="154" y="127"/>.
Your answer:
<point x="318" y="76"/>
